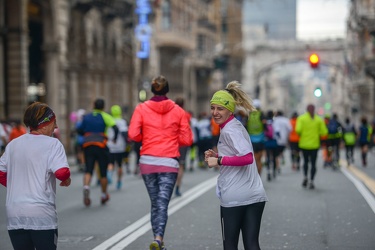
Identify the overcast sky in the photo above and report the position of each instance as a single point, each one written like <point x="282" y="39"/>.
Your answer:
<point x="321" y="19"/>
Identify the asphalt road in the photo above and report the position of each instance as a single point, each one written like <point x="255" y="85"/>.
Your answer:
<point x="338" y="214"/>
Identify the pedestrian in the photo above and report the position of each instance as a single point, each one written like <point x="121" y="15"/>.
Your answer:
<point x="334" y="139"/>
<point x="183" y="151"/>
<point x="255" y="126"/>
<point x="364" y="138"/>
<point x="162" y="127"/>
<point x="94" y="128"/>
<point x="239" y="186"/>
<point x="3" y="138"/>
<point x="78" y="139"/>
<point x="326" y="151"/>
<point x="137" y="150"/>
<point x="310" y="128"/>
<point x="349" y="136"/>
<point x="282" y="130"/>
<point x="204" y="132"/>
<point x="29" y="168"/>
<point x="293" y="143"/>
<point x="117" y="149"/>
<point x="270" y="145"/>
<point x="193" y="149"/>
<point x="128" y="149"/>
<point x="17" y="130"/>
<point x="242" y="117"/>
<point x="215" y="131"/>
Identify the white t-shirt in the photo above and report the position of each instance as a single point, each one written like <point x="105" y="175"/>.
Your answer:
<point x="282" y="128"/>
<point x="204" y="128"/>
<point x="30" y="162"/>
<point x="238" y="185"/>
<point x="120" y="145"/>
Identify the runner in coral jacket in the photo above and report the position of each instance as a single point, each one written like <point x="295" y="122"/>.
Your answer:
<point x="162" y="127"/>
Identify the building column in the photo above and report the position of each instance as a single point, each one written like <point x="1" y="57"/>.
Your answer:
<point x="2" y="60"/>
<point x="17" y="58"/>
<point x="56" y="22"/>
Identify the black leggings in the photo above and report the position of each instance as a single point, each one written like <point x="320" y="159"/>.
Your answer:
<point x="33" y="239"/>
<point x="271" y="155"/>
<point x="246" y="219"/>
<point x="309" y="155"/>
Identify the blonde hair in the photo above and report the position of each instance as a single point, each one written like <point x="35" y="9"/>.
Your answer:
<point x="241" y="98"/>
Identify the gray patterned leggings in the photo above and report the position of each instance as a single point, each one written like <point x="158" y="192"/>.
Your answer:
<point x="160" y="188"/>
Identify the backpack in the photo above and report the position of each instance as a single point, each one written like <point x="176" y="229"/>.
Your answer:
<point x="333" y="127"/>
<point x="254" y="124"/>
<point x="349" y="135"/>
<point x="269" y="131"/>
<point x="270" y="137"/>
<point x="349" y="138"/>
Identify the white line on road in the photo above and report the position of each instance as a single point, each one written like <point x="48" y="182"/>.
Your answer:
<point x="361" y="188"/>
<point x="129" y="234"/>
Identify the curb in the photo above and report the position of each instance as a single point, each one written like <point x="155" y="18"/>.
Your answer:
<point x="363" y="177"/>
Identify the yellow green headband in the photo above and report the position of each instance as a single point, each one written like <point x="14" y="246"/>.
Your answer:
<point x="225" y="99"/>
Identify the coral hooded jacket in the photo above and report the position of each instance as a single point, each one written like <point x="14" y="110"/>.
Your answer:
<point x="162" y="126"/>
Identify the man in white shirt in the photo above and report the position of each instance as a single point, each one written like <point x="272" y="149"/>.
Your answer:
<point x="282" y="128"/>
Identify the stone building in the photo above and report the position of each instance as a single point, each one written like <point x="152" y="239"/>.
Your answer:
<point x="179" y="30"/>
<point x="188" y="37"/>
<point x="67" y="53"/>
<point x="361" y="56"/>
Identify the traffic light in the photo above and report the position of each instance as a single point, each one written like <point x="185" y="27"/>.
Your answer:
<point x="314" y="60"/>
<point x="318" y="92"/>
<point x="327" y="106"/>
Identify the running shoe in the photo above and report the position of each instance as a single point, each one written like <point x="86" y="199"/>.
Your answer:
<point x="105" y="199"/>
<point x="156" y="245"/>
<point x="86" y="197"/>
<point x="304" y="183"/>
<point x="311" y="185"/>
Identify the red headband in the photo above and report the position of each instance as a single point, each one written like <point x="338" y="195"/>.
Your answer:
<point x="48" y="117"/>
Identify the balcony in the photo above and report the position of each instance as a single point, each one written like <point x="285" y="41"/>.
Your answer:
<point x="174" y="37"/>
<point x="205" y="24"/>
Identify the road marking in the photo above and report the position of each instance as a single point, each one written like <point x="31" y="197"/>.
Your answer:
<point x="129" y="234"/>
<point x="367" y="180"/>
<point x="357" y="181"/>
<point x="89" y="238"/>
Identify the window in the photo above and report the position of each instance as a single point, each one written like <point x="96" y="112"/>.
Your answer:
<point x="166" y="15"/>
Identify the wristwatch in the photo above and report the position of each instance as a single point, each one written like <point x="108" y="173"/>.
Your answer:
<point x="219" y="160"/>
